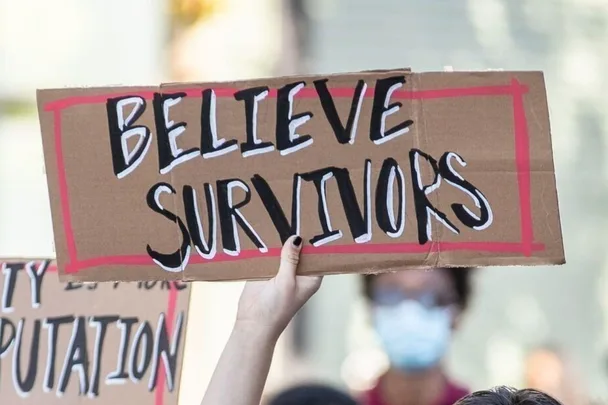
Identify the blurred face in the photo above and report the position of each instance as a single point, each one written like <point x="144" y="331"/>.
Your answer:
<point x="414" y="312"/>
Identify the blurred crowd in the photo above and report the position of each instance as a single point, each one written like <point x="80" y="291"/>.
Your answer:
<point x="415" y="314"/>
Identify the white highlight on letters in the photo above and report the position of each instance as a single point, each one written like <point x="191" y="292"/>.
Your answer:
<point x="123" y="122"/>
<point x="157" y="193"/>
<point x="475" y="198"/>
<point x="427" y="191"/>
<point x="256" y="140"/>
<point x="293" y="125"/>
<point x="173" y="134"/>
<point x="390" y="202"/>
<point x="213" y="123"/>
<point x="337" y="235"/>
<point x="237" y="212"/>
<point x="388" y="112"/>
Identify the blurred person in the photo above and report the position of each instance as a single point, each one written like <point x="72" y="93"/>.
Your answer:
<point x="508" y="396"/>
<point x="414" y="313"/>
<point x="264" y="311"/>
<point x="311" y="394"/>
<point x="547" y="369"/>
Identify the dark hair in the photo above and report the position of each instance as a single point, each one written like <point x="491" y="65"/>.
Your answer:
<point x="312" y="394"/>
<point x="461" y="277"/>
<point x="508" y="396"/>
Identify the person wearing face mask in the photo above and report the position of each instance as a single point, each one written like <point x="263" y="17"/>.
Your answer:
<point x="267" y="306"/>
<point x="414" y="314"/>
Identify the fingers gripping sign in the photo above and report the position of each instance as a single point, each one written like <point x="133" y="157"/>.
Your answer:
<point x="265" y="309"/>
<point x="271" y="304"/>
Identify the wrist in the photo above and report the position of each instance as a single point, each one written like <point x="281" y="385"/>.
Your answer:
<point x="258" y="333"/>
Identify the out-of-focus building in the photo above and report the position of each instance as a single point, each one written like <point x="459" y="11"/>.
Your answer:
<point x="60" y="43"/>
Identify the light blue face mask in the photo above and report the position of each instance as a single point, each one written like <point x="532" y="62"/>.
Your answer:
<point x="414" y="337"/>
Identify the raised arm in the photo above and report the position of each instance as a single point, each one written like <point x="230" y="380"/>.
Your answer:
<point x="265" y="309"/>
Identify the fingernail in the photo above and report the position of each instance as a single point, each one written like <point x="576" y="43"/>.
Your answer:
<point x="297" y="241"/>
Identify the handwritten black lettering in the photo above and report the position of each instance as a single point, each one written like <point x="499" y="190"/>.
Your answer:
<point x="168" y="354"/>
<point x="119" y="375"/>
<point x="141" y="348"/>
<point x="230" y="215"/>
<point x="360" y="224"/>
<point x="344" y="134"/>
<point x="76" y="359"/>
<point x="288" y="141"/>
<point x="167" y="131"/>
<point x="381" y="110"/>
<point x="211" y="145"/>
<point x="9" y="270"/>
<point x="101" y="323"/>
<point x="148" y="285"/>
<point x="274" y="209"/>
<point x="385" y="213"/>
<point x="122" y="129"/>
<point x="24" y="386"/>
<point x="36" y="273"/>
<point x="206" y="247"/>
<point x="53" y="324"/>
<point x="251" y="97"/>
<point x="319" y="179"/>
<point x="424" y="208"/>
<point x="177" y="260"/>
<point x="7" y="338"/>
<point x="179" y="286"/>
<point x="70" y="285"/>
<point x="466" y="216"/>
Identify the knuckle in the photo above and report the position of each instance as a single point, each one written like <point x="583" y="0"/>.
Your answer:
<point x="291" y="258"/>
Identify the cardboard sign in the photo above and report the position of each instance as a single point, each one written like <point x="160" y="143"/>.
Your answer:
<point x="114" y="343"/>
<point x="376" y="170"/>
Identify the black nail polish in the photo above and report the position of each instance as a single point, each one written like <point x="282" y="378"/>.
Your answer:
<point x="297" y="241"/>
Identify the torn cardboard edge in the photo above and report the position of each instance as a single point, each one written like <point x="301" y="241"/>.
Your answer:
<point x="428" y="86"/>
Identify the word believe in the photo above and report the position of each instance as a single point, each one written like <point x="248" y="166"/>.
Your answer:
<point x="211" y="145"/>
<point x="387" y="204"/>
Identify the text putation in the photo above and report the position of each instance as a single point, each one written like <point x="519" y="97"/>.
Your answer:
<point x="107" y="342"/>
<point x="376" y="170"/>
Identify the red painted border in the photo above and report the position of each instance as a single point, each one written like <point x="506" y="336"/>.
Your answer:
<point x="522" y="161"/>
<point x="522" y="151"/>
<point x="522" y="157"/>
<point x="169" y="317"/>
<point x="159" y="393"/>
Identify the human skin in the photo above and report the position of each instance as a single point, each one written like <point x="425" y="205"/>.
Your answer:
<point x="264" y="311"/>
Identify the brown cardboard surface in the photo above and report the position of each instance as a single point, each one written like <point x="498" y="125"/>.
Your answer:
<point x="98" y="343"/>
<point x="460" y="173"/>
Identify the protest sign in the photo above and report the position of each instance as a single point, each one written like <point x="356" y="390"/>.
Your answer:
<point x="111" y="343"/>
<point x="376" y="170"/>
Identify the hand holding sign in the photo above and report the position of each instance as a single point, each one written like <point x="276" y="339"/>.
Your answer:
<point x="269" y="305"/>
<point x="265" y="309"/>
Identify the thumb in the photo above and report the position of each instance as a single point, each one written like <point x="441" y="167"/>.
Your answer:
<point x="290" y="257"/>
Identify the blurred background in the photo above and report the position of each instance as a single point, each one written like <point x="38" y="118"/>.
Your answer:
<point x="59" y="43"/>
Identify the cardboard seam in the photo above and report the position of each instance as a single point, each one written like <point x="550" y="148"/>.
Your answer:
<point x="174" y="202"/>
<point x="420" y="141"/>
<point x="539" y="165"/>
